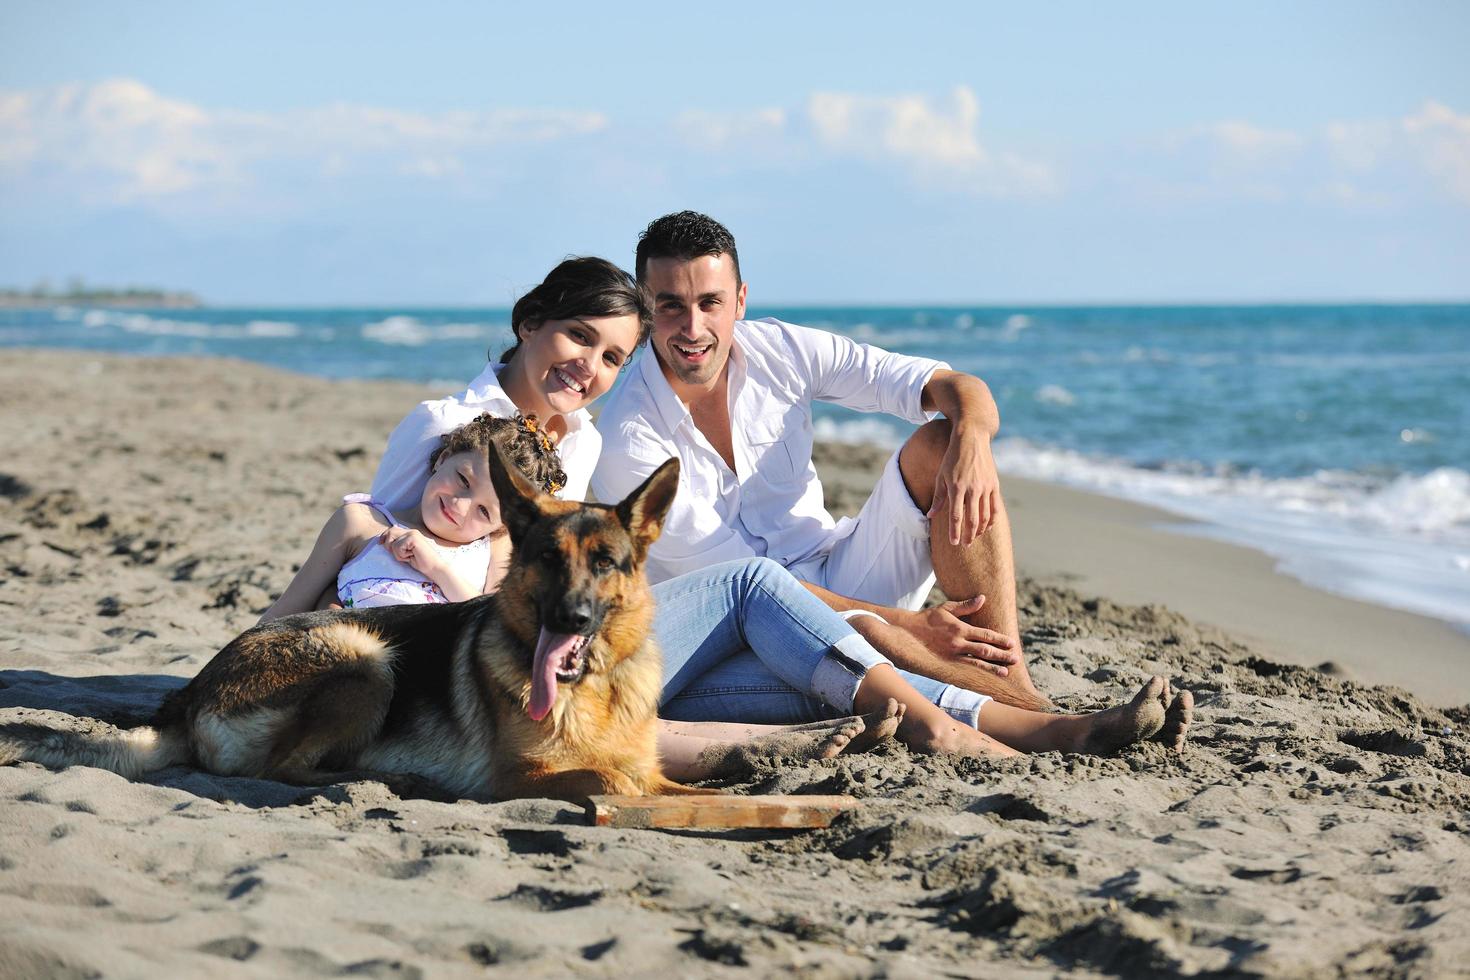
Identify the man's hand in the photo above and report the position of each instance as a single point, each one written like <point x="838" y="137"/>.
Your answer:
<point x="967" y="481"/>
<point x="941" y="629"/>
<point x="413" y="548"/>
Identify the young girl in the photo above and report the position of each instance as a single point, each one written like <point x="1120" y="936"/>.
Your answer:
<point x="448" y="547"/>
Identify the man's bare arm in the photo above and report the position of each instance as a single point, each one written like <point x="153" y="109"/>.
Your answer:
<point x="966" y="487"/>
<point x="842" y="603"/>
<point x="901" y="647"/>
<point x="963" y="399"/>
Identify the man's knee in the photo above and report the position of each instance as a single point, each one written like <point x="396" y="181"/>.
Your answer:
<point x="919" y="460"/>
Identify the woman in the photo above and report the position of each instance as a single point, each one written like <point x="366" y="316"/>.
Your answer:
<point x="744" y="638"/>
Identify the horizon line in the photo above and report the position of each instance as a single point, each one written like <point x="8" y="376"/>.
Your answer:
<point x="880" y="305"/>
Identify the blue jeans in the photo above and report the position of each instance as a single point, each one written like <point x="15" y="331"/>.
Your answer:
<point x="744" y="641"/>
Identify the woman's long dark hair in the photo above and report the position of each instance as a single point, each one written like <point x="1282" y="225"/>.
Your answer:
<point x="581" y="286"/>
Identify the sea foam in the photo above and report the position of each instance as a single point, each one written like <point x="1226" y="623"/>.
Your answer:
<point x="408" y="331"/>
<point x="144" y="324"/>
<point x="1401" y="542"/>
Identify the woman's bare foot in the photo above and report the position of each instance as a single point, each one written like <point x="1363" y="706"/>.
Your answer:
<point x="938" y="733"/>
<point x="879" y="725"/>
<point x="1177" y="719"/>
<point x="798" y="743"/>
<point x="1108" y="731"/>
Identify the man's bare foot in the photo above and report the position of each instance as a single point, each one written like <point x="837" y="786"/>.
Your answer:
<point x="1108" y="731"/>
<point x="1177" y="719"/>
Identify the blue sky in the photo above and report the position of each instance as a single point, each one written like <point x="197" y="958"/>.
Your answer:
<point x="965" y="153"/>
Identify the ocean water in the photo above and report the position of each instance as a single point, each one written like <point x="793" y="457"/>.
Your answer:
<point x="1334" y="438"/>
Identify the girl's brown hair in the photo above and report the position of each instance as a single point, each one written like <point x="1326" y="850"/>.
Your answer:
<point x="521" y="443"/>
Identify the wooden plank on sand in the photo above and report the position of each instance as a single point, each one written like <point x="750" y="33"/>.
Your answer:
<point x="717" y="811"/>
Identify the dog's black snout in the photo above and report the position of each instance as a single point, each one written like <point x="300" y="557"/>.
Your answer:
<point x="576" y="615"/>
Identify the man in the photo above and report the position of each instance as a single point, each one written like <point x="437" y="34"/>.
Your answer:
<point x="732" y="399"/>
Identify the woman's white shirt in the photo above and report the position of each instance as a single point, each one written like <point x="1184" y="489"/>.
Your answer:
<point x="401" y="475"/>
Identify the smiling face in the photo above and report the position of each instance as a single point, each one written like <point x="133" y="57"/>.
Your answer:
<point x="695" y="305"/>
<point x="563" y="365"/>
<point x="459" y="503"/>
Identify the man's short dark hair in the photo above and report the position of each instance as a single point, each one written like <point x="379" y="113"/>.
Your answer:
<point x="684" y="235"/>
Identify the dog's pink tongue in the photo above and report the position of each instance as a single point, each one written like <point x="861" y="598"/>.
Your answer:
<point x="551" y="650"/>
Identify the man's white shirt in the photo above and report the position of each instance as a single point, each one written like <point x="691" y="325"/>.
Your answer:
<point x="771" y="505"/>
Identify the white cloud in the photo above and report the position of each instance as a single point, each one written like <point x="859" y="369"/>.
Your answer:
<point x="907" y="127"/>
<point x="366" y="128"/>
<point x="935" y="142"/>
<point x="1357" y="164"/>
<point x="935" y="139"/>
<point x="119" y="141"/>
<point x="1433" y="141"/>
<point x="1441" y="137"/>
<point x="1236" y="145"/>
<point x="1253" y="143"/>
<point x="722" y="131"/>
<point x="123" y="141"/>
<point x="147" y="145"/>
<point x="1351" y="196"/>
<point x="434" y="168"/>
<point x="1359" y="146"/>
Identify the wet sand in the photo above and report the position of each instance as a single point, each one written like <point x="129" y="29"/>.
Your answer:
<point x="149" y="509"/>
<point x="1141" y="555"/>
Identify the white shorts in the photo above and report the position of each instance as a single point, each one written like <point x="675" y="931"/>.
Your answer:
<point x="885" y="558"/>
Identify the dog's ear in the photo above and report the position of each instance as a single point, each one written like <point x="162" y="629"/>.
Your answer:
<point x="644" y="510"/>
<point x="520" y="500"/>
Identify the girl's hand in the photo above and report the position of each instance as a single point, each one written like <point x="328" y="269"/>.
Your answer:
<point x="418" y="551"/>
<point x="413" y="548"/>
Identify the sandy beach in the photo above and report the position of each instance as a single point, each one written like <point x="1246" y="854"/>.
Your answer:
<point x="149" y="510"/>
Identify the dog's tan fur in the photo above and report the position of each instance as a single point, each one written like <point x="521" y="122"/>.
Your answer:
<point x="440" y="692"/>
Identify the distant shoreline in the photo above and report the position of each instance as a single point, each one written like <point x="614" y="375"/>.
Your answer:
<point x="130" y="299"/>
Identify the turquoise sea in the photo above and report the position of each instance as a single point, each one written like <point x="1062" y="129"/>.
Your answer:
<point x="1335" y="438"/>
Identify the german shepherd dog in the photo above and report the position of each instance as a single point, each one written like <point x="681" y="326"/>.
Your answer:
<point x="548" y="688"/>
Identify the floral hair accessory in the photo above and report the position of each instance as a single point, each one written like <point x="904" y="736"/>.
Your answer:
<point x="531" y="425"/>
